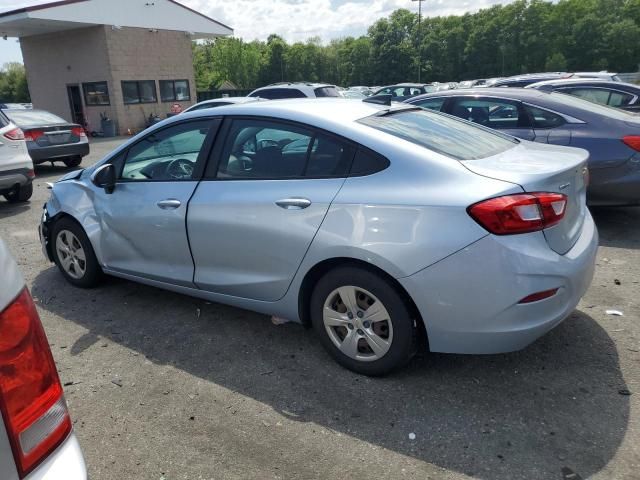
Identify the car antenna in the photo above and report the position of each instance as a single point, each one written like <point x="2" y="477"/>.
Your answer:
<point x="383" y="99"/>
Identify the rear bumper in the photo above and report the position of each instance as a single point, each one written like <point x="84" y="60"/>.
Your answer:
<point x="65" y="463"/>
<point x="45" y="154"/>
<point x="11" y="178"/>
<point x="469" y="301"/>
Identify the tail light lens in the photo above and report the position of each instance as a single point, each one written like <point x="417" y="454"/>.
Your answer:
<point x="78" y="132"/>
<point x="31" y="398"/>
<point x="15" y="134"/>
<point x="31" y="174"/>
<point x="632" y="141"/>
<point x="522" y="213"/>
<point x="33" y="135"/>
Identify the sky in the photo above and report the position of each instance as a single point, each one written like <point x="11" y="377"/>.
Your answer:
<point x="292" y="19"/>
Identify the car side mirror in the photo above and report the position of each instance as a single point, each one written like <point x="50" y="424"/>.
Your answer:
<point x="105" y="177"/>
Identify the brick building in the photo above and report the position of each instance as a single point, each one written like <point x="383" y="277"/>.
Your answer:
<point x="127" y="59"/>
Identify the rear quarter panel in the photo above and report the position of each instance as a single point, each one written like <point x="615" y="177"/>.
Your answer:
<point x="408" y="216"/>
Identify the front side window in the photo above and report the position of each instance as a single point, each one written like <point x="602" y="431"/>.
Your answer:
<point x="96" y="93"/>
<point x="597" y="95"/>
<point x="142" y="91"/>
<point x="166" y="155"/>
<point x="543" y="118"/>
<point x="492" y="113"/>
<point x="441" y="133"/>
<point x="431" y="103"/>
<point x="174" y="90"/>
<point x="261" y="149"/>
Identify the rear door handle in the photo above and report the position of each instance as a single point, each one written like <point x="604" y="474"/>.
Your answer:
<point x="169" y="204"/>
<point x="293" y="203"/>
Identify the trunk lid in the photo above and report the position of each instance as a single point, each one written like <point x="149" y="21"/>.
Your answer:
<point x="47" y="136"/>
<point x="545" y="168"/>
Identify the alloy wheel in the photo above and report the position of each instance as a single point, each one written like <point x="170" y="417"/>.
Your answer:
<point x="71" y="254"/>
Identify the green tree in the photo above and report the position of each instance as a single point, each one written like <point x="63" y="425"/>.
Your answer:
<point x="13" y="83"/>
<point x="556" y="63"/>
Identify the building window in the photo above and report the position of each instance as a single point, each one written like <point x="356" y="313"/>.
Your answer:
<point x="174" y="90"/>
<point x="142" y="91"/>
<point x="96" y="93"/>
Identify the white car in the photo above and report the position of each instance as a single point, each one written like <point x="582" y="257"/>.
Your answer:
<point x="16" y="166"/>
<point x="278" y="91"/>
<point x="36" y="437"/>
<point x="220" y="102"/>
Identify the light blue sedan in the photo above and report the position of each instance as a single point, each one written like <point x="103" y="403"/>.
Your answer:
<point x="386" y="228"/>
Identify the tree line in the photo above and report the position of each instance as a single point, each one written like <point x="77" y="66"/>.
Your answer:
<point x="520" y="37"/>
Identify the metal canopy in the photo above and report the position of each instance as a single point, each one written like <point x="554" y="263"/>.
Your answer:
<point x="71" y="14"/>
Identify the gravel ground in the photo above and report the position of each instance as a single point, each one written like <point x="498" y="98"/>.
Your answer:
<point x="164" y="386"/>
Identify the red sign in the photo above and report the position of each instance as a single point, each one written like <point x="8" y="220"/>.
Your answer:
<point x="176" y="108"/>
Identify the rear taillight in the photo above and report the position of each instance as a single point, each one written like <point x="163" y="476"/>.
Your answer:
<point x="521" y="213"/>
<point x="632" y="141"/>
<point x="33" y="135"/>
<point x="15" y="134"/>
<point x="31" y="174"/>
<point x="31" y="399"/>
<point x="78" y="132"/>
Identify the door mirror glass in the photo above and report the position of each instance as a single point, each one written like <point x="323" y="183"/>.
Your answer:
<point x="105" y="177"/>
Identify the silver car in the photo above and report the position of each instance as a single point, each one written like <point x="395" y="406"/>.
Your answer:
<point x="387" y="228"/>
<point x="36" y="437"/>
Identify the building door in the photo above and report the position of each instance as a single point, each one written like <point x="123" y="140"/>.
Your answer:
<point x="75" y="102"/>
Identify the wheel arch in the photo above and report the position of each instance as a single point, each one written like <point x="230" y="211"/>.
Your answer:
<point x="48" y="231"/>
<point x="315" y="273"/>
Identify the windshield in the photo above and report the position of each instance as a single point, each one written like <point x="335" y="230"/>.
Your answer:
<point x="576" y="102"/>
<point x="442" y="134"/>
<point x="33" y="118"/>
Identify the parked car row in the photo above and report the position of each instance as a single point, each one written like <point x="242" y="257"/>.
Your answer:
<point x="611" y="136"/>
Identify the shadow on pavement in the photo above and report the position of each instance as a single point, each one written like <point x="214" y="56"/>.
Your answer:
<point x="615" y="225"/>
<point x="11" y="209"/>
<point x="528" y="414"/>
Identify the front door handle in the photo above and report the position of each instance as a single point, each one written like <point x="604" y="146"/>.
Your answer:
<point x="293" y="203"/>
<point x="169" y="204"/>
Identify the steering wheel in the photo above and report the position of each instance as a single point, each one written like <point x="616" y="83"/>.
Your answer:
<point x="180" y="169"/>
<point x="267" y="142"/>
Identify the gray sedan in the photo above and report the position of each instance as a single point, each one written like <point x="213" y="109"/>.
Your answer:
<point x="51" y="138"/>
<point x="611" y="136"/>
<point x="386" y="228"/>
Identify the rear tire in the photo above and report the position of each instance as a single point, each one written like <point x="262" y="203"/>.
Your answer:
<point x="72" y="162"/>
<point x="74" y="255"/>
<point x="20" y="194"/>
<point x="347" y="329"/>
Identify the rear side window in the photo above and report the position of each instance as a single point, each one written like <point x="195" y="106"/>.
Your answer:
<point x="367" y="162"/>
<point x="543" y="118"/>
<point x="431" y="103"/>
<point x="490" y="112"/>
<point x="279" y="93"/>
<point x="264" y="149"/>
<point x="4" y="121"/>
<point x="327" y="92"/>
<point x="441" y="133"/>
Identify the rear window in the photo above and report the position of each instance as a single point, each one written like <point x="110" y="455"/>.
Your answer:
<point x="442" y="134"/>
<point x="33" y="118"/>
<point x="327" y="92"/>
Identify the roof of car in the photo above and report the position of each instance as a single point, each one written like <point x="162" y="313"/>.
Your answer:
<point x="296" y="84"/>
<point x="583" y="81"/>
<point x="519" y="93"/>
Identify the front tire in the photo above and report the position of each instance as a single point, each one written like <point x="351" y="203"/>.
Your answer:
<point x="72" y="162"/>
<point x="20" y="194"/>
<point x="74" y="255"/>
<point x="362" y="321"/>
